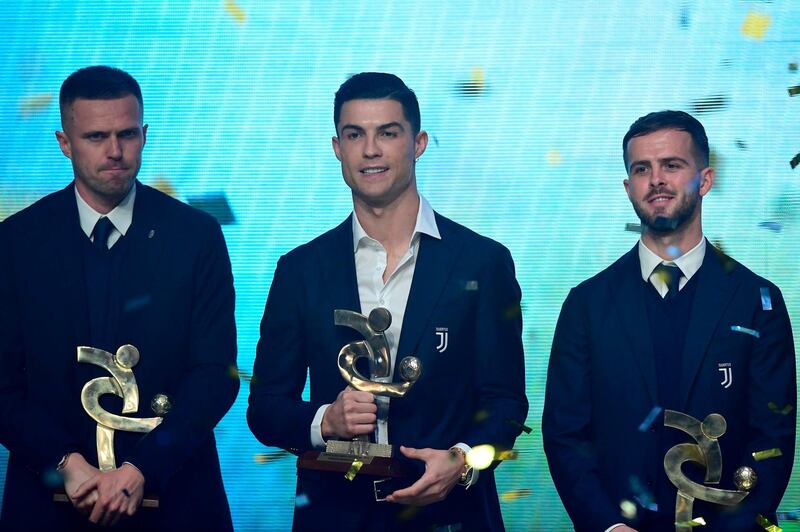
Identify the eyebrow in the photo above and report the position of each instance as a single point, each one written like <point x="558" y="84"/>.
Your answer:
<point x="382" y="127"/>
<point x="662" y="161"/>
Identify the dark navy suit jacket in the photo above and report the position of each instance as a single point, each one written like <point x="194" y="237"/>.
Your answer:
<point x="473" y="392"/>
<point x="177" y="304"/>
<point x="602" y="383"/>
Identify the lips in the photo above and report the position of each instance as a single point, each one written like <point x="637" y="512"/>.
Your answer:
<point x="372" y="170"/>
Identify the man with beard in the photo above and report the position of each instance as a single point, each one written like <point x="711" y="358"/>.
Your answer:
<point x="672" y="325"/>
<point x="104" y="262"/>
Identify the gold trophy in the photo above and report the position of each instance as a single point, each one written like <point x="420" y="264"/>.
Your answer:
<point x="121" y="383"/>
<point x="705" y="452"/>
<point x="360" y="454"/>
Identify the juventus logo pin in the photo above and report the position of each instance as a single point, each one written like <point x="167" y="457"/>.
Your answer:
<point x="442" y="335"/>
<point x="727" y="374"/>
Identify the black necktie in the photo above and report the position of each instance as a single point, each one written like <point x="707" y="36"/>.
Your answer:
<point x="671" y="275"/>
<point x="101" y="231"/>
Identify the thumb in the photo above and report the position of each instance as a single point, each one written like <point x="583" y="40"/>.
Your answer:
<point x="86" y="487"/>
<point x="410" y="452"/>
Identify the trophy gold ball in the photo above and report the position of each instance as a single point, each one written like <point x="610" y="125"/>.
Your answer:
<point x="160" y="405"/>
<point x="714" y="426"/>
<point x="127" y="356"/>
<point x="410" y="368"/>
<point x="745" y="478"/>
<point x="379" y="319"/>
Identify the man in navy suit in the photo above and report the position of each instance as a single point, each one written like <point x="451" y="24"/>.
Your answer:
<point x="105" y="262"/>
<point x="673" y="324"/>
<point x="454" y="303"/>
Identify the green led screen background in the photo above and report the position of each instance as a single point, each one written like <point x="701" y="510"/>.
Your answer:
<point x="525" y="103"/>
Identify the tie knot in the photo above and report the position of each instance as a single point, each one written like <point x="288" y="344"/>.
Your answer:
<point x="101" y="231"/>
<point x="671" y="275"/>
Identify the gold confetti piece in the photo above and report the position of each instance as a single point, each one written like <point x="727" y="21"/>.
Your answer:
<point x="480" y="457"/>
<point x="553" y="158"/>
<point x="507" y="455"/>
<point x="764" y="523"/>
<point x="265" y="458"/>
<point x="769" y="453"/>
<point x="755" y="25"/>
<point x="524" y="428"/>
<point x="697" y="521"/>
<point x="355" y="467"/>
<point x="33" y="104"/>
<point x="481" y="415"/>
<point x="628" y="509"/>
<point x="792" y="67"/>
<point x="235" y="11"/>
<point x="794" y="91"/>
<point x="785" y="410"/>
<point x="163" y="185"/>
<point x="514" y="495"/>
<point x="795" y="161"/>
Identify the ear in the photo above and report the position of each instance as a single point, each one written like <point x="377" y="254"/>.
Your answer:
<point x="420" y="143"/>
<point x="707" y="176"/>
<point x="336" y="147"/>
<point x="63" y="143"/>
<point x="626" y="182"/>
<point x="144" y="135"/>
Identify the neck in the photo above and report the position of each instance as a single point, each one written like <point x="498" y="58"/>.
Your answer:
<point x="392" y="225"/>
<point x="669" y="245"/>
<point x="101" y="204"/>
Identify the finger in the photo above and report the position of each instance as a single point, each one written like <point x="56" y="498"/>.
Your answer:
<point x="86" y="487"/>
<point x="360" y="419"/>
<point x="86" y="504"/>
<point x="411" y="452"/>
<point x="415" y="490"/>
<point x="360" y="397"/>
<point x="98" y="511"/>
<point x="111" y="513"/>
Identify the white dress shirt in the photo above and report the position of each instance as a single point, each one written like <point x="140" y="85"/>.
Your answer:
<point x="689" y="263"/>
<point x="120" y="216"/>
<point x="371" y="260"/>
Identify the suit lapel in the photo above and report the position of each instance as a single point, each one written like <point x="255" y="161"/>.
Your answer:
<point x="435" y="261"/>
<point x="63" y="230"/>
<point x="714" y="290"/>
<point x="339" y="273"/>
<point x="627" y="291"/>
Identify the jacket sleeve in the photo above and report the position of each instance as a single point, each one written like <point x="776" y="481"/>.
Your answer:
<point x="566" y="423"/>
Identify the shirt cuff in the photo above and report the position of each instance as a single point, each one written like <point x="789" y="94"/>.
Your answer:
<point x="612" y="527"/>
<point x="317" y="441"/>
<point x="133" y="466"/>
<point x="472" y="476"/>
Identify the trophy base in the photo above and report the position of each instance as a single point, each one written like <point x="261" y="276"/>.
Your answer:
<point x="149" y="501"/>
<point x="373" y="466"/>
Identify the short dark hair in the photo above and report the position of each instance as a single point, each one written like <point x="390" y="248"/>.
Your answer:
<point x="679" y="120"/>
<point x="377" y="86"/>
<point x="98" y="83"/>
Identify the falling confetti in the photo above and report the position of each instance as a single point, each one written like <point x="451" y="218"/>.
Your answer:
<point x="654" y="412"/>
<point x="697" y="521"/>
<point x="794" y="91"/>
<point x="769" y="453"/>
<point x="795" y="161"/>
<point x="33" y="104"/>
<point x="524" y="428"/>
<point x="355" y="467"/>
<point x="793" y="515"/>
<point x="764" y="523"/>
<point x="772" y="226"/>
<point x="766" y="300"/>
<point x="633" y="228"/>
<point x="514" y="495"/>
<point x="739" y="328"/>
<point x="742" y="145"/>
<point x="301" y="500"/>
<point x="476" y="86"/>
<point x="235" y="11"/>
<point x="642" y="495"/>
<point x="236" y="373"/>
<point x="628" y="509"/>
<point x="265" y="458"/>
<point x="755" y="25"/>
<point x="481" y="415"/>
<point x="480" y="457"/>
<point x="163" y="185"/>
<point x="709" y="104"/>
<point x="215" y="204"/>
<point x="507" y="455"/>
<point x="792" y="67"/>
<point x="784" y="411"/>
<point x="553" y="158"/>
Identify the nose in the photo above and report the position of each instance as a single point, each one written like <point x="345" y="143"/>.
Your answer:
<point x="114" y="148"/>
<point x="371" y="147"/>
<point x="657" y="177"/>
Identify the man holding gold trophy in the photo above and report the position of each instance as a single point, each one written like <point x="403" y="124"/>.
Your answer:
<point x="410" y="328"/>
<point x="117" y="337"/>
<point x="670" y="400"/>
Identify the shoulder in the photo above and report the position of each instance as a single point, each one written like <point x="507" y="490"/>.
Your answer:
<point x="624" y="266"/>
<point x="335" y="240"/>
<point x="40" y="214"/>
<point x="473" y="245"/>
<point x="173" y="211"/>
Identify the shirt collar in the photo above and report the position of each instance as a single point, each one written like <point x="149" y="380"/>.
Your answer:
<point x="121" y="215"/>
<point x="689" y="262"/>
<point x="426" y="224"/>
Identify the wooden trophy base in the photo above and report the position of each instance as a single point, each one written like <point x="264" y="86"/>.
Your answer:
<point x="149" y="501"/>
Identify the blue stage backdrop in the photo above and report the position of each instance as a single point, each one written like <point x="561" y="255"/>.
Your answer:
<point x="525" y="102"/>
